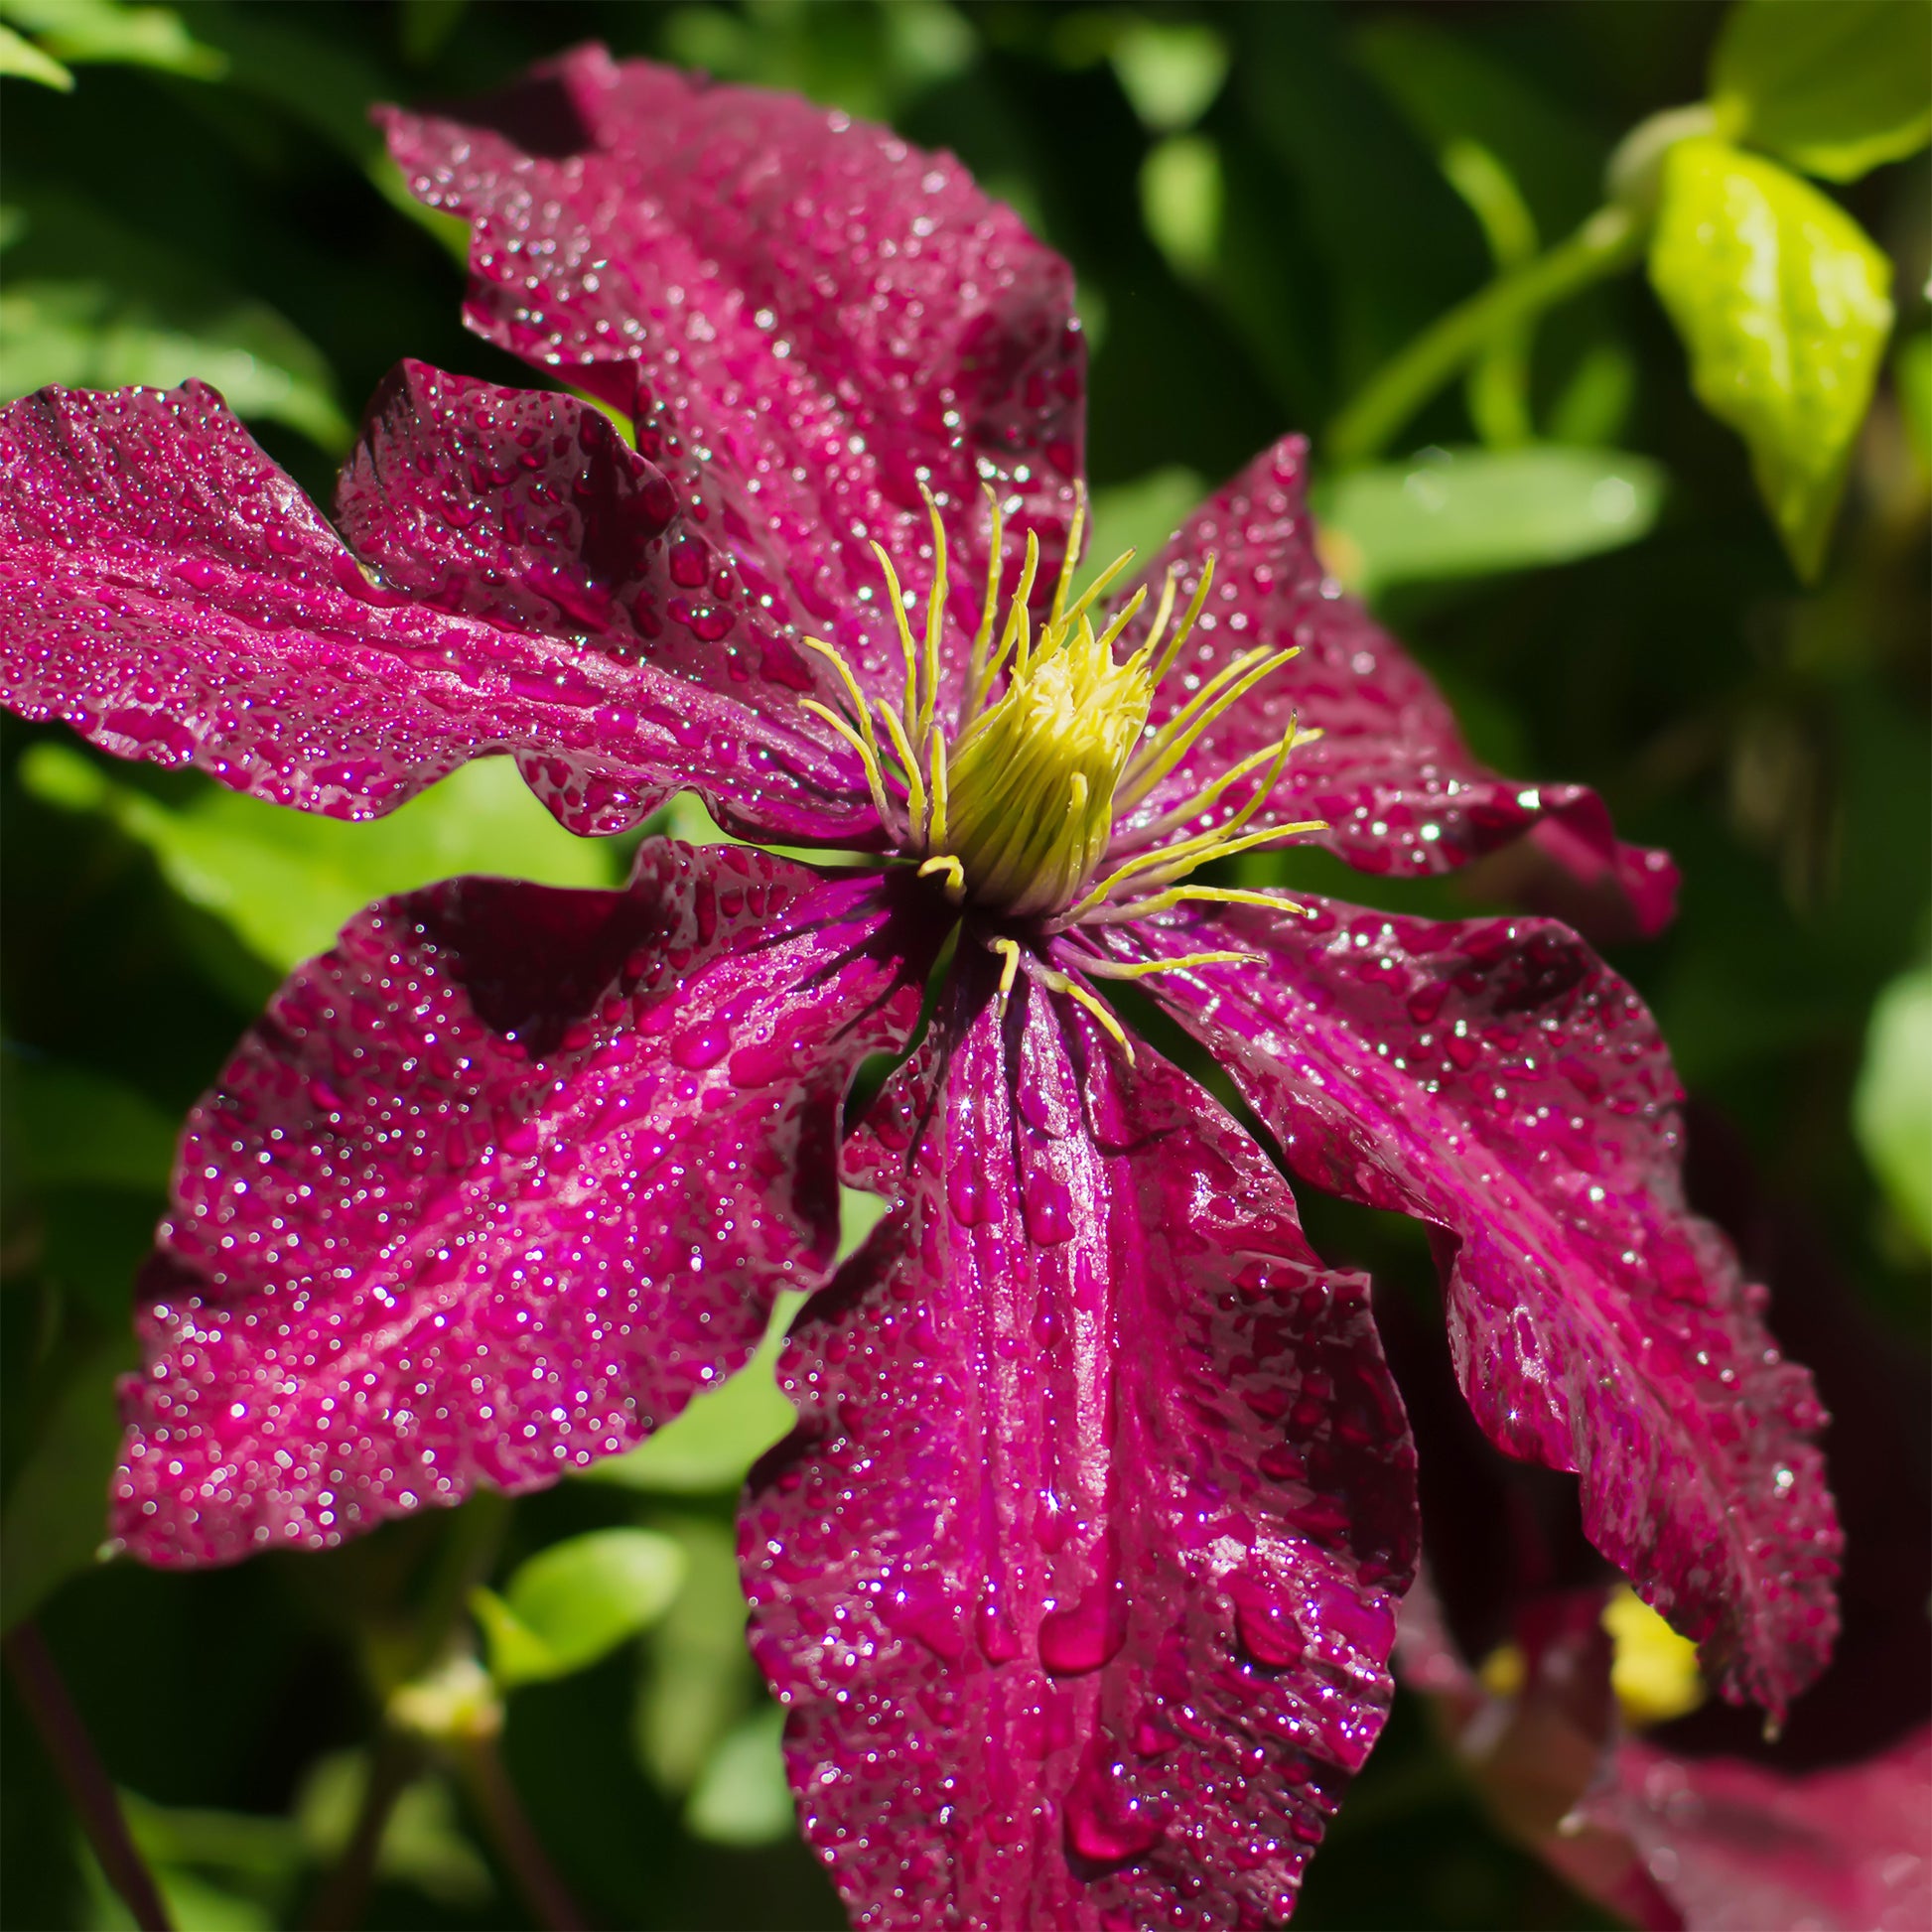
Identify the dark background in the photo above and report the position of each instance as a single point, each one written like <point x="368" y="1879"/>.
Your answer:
<point x="1773" y="738"/>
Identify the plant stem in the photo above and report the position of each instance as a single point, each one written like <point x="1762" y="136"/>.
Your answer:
<point x="1611" y="240"/>
<point x="514" y="1837"/>
<point x="82" y="1775"/>
<point x="344" y="1894"/>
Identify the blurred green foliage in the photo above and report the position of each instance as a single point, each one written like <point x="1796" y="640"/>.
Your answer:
<point x="1413" y="233"/>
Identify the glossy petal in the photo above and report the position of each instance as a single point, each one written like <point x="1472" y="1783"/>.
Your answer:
<point x="1401" y="791"/>
<point x="1737" y="1848"/>
<point x="169" y="591"/>
<point x="807" y="316"/>
<point x="1495" y="1079"/>
<point x="493" y="1186"/>
<point x="1079" y="1575"/>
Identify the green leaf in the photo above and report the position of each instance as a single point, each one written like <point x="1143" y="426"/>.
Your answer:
<point x="1143" y="514"/>
<point x="66" y="1127"/>
<point x="698" y="1678"/>
<point x="1835" y="86"/>
<point x="423" y="1843"/>
<point x="57" y="1506"/>
<point x="106" y="31"/>
<point x="26" y="61"/>
<point x="1182" y="199"/>
<point x="1170" y="72"/>
<point x="576" y="1601"/>
<point x="1784" y="305"/>
<point x="1474" y="513"/>
<point x="286" y="882"/>
<point x="743" y="1797"/>
<point x="88" y="335"/>
<point x="1912" y="371"/>
<point x="720" y="1434"/>
<point x="1891" y="1108"/>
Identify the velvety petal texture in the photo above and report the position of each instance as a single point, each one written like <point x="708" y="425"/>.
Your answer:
<point x="1737" y="1848"/>
<point x="1079" y="1575"/>
<point x="494" y="1185"/>
<point x="1495" y="1079"/>
<point x="807" y="316"/>
<point x="1390" y="774"/>
<point x="169" y="591"/>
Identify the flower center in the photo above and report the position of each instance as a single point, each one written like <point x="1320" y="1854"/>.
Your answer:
<point x="1016" y="807"/>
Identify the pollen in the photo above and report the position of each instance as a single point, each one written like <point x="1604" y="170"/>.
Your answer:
<point x="1016" y="803"/>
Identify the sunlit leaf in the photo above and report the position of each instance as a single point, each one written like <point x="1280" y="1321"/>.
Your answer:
<point x="742" y="1797"/>
<point x="26" y="61"/>
<point x="1171" y="71"/>
<point x="1143" y="514"/>
<point x="1835" y="86"/>
<point x="285" y="880"/>
<point x="89" y="336"/>
<point x="105" y="30"/>
<point x="1182" y="199"/>
<point x="697" y="1680"/>
<point x="1474" y="513"/>
<point x="577" y="1601"/>
<point x="720" y="1434"/>
<point x="1783" y="303"/>
<point x="1891" y="1108"/>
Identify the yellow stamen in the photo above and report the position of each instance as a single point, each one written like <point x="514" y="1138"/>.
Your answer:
<point x="1142" y="908"/>
<point x="1146" y="969"/>
<point x="1015" y="808"/>
<point x="1009" y="951"/>
<point x="1070" y="562"/>
<point x="867" y="754"/>
<point x="908" y="647"/>
<point x="955" y="874"/>
<point x="1094" y="1004"/>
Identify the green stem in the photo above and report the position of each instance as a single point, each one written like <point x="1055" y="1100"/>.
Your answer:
<point x="85" y="1778"/>
<point x="1610" y="242"/>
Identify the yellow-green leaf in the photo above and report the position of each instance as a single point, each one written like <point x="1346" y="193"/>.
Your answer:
<point x="1891" y="1109"/>
<point x="1834" y="86"/>
<point x="1784" y="305"/>
<point x="21" y="56"/>
<point x="573" y="1602"/>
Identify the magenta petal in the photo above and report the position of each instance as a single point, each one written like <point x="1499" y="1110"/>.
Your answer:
<point x="807" y="315"/>
<point x="1739" y="1848"/>
<point x="527" y="510"/>
<point x="169" y="591"/>
<point x="1400" y="790"/>
<point x="1079" y="1575"/>
<point x="1495" y="1079"/>
<point x="494" y="1187"/>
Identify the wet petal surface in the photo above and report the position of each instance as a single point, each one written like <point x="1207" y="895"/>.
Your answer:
<point x="493" y="1186"/>
<point x="1391" y="774"/>
<point x="1079" y="1575"/>
<point x="807" y="315"/>
<point x="1495" y="1079"/>
<point x="168" y="591"/>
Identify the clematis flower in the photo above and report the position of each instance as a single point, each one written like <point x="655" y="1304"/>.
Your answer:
<point x="1078" y="1574"/>
<point x="1580" y="1717"/>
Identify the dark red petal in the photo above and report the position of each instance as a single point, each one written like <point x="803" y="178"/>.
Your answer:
<point x="1401" y="791"/>
<point x="1495" y="1079"/>
<point x="169" y="591"/>
<point x="808" y="316"/>
<point x="1079" y="1573"/>
<point x="494" y="1187"/>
